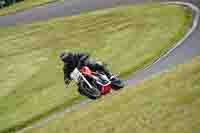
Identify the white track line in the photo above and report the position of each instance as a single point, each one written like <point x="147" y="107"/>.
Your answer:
<point x="194" y="25"/>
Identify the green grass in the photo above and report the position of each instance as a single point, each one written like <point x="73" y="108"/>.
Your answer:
<point x="167" y="103"/>
<point x="23" y="5"/>
<point x="127" y="38"/>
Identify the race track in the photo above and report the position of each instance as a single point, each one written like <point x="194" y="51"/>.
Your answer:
<point x="188" y="48"/>
<point x="68" y="8"/>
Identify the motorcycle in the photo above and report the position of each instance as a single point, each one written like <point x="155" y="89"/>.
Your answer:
<point x="91" y="84"/>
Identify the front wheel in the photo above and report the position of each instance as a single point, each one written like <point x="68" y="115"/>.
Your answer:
<point x="92" y="93"/>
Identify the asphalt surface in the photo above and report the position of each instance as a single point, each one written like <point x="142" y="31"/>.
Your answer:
<point x="185" y="52"/>
<point x="67" y="8"/>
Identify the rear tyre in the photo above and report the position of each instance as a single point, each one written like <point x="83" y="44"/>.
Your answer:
<point x="117" y="84"/>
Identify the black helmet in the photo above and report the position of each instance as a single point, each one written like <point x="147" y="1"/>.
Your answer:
<point x="64" y="56"/>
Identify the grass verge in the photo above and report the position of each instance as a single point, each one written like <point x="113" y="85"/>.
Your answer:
<point x="127" y="38"/>
<point x="23" y="5"/>
<point x="167" y="103"/>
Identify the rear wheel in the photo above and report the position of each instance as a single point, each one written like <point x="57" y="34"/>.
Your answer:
<point x="92" y="93"/>
<point x="117" y="84"/>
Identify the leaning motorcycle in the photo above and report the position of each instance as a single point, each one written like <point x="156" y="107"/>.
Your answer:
<point x="91" y="84"/>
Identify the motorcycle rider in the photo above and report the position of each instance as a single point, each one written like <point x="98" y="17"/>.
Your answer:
<point x="72" y="60"/>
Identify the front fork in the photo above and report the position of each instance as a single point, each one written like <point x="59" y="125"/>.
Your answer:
<point x="77" y="76"/>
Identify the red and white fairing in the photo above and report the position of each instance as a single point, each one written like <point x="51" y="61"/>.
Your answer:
<point x="102" y="80"/>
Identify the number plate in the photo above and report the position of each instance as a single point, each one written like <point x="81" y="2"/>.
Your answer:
<point x="75" y="75"/>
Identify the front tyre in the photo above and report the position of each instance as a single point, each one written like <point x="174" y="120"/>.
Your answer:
<point x="91" y="93"/>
